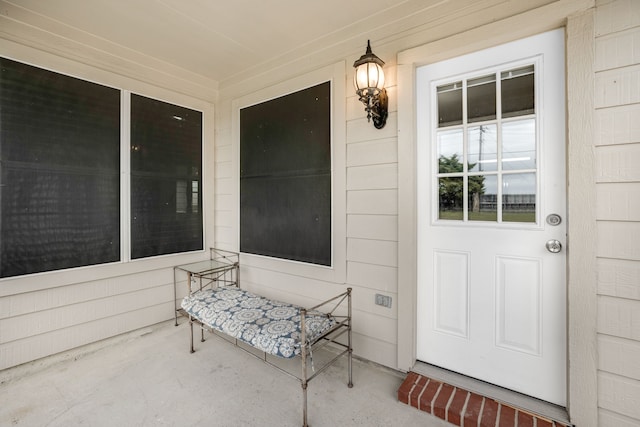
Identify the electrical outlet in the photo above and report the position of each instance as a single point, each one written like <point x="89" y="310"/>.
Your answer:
<point x="383" y="300"/>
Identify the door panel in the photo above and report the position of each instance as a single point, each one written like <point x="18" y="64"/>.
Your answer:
<point x="491" y="168"/>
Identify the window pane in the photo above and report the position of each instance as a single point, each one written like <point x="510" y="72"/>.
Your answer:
<point x="450" y="104"/>
<point x="518" y="94"/>
<point x="483" y="149"/>
<point x="481" y="99"/>
<point x="519" y="197"/>
<point x="285" y="177"/>
<point x="450" y="198"/>
<point x="450" y="152"/>
<point x="519" y="145"/>
<point x="483" y="195"/>
<point x="166" y="155"/>
<point x="59" y="171"/>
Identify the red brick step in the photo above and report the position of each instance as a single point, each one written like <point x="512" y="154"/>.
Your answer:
<point x="464" y="408"/>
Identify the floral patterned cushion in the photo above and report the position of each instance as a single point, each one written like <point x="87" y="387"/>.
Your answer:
<point x="270" y="326"/>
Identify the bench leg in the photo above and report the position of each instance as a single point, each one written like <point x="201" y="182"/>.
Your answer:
<point x="191" y="327"/>
<point x="350" y="355"/>
<point x="304" y="404"/>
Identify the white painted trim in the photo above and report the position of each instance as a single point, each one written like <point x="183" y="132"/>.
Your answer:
<point x="125" y="175"/>
<point x="581" y="225"/>
<point x="336" y="74"/>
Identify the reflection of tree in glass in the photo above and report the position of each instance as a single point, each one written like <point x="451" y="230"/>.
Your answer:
<point x="451" y="188"/>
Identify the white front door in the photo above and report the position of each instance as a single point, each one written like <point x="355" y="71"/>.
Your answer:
<point x="491" y="216"/>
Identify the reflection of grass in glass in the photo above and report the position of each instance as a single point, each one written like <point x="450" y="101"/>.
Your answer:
<point x="451" y="215"/>
<point x="488" y="216"/>
<point x="483" y="216"/>
<point x="519" y="216"/>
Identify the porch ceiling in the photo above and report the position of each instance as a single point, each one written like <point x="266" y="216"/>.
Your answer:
<point x="222" y="40"/>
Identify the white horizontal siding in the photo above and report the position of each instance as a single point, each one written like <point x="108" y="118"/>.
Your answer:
<point x="381" y="202"/>
<point x="618" y="163"/>
<point x="376" y="277"/>
<point x="379" y="177"/>
<point x="619" y="240"/>
<point x="58" y="297"/>
<point x="49" y="320"/>
<point x="619" y="356"/>
<point x="611" y="419"/>
<point x="376" y="227"/>
<point x="34" y="347"/>
<point x="374" y="349"/>
<point x="619" y="394"/>
<point x="372" y="152"/>
<point x="374" y="252"/>
<point x="618" y="201"/>
<point x="360" y="130"/>
<point x="617" y="125"/>
<point x="618" y="50"/>
<point x="617" y="149"/>
<point x="620" y="86"/>
<point x="619" y="278"/>
<point x="619" y="317"/>
<point x="615" y="16"/>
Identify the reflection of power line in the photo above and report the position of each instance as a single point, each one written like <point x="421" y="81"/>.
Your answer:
<point x="481" y="142"/>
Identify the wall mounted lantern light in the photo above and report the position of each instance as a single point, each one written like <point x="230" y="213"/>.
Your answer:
<point x="369" y="83"/>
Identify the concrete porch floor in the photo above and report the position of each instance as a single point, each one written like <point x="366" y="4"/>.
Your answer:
<point x="149" y="378"/>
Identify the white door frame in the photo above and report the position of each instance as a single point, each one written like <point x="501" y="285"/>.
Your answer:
<point x="581" y="283"/>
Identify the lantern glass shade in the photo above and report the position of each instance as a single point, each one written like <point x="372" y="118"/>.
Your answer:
<point x="368" y="79"/>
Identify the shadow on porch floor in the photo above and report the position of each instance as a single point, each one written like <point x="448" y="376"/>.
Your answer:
<point x="149" y="378"/>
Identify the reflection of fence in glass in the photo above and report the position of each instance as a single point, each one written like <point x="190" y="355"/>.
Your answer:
<point x="484" y="207"/>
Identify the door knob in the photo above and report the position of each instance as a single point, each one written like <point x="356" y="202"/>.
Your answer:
<point x="554" y="246"/>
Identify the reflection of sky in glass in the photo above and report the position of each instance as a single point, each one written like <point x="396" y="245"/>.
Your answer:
<point x="519" y="145"/>
<point x="450" y="143"/>
<point x="483" y="148"/>
<point x="519" y="183"/>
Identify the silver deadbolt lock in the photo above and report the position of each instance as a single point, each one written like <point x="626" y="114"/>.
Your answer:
<point x="554" y="246"/>
<point x="554" y="219"/>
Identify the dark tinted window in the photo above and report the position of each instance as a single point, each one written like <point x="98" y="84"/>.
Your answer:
<point x="59" y="171"/>
<point x="166" y="178"/>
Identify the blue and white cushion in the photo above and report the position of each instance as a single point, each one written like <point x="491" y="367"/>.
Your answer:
<point x="268" y="325"/>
